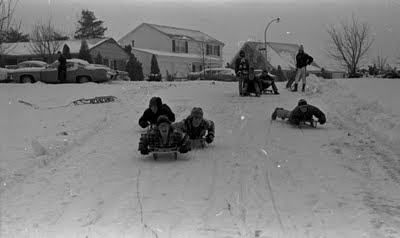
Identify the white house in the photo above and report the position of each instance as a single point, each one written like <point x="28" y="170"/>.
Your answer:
<point x="177" y="50"/>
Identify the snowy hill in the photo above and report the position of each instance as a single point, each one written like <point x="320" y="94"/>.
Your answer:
<point x="75" y="171"/>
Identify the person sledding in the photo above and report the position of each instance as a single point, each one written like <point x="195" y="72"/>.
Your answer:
<point x="302" y="60"/>
<point x="303" y="112"/>
<point x="163" y="136"/>
<point x="196" y="127"/>
<point x="265" y="81"/>
<point x="156" y="108"/>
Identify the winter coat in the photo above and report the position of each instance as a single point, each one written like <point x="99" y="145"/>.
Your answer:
<point x="186" y="126"/>
<point x="150" y="117"/>
<point x="303" y="59"/>
<point x="153" y="140"/>
<point x="62" y="63"/>
<point x="242" y="66"/>
<point x="296" y="116"/>
<point x="265" y="79"/>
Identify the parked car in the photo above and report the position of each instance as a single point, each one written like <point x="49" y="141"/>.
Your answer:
<point x="5" y="76"/>
<point x="218" y="74"/>
<point x="32" y="64"/>
<point x="78" y="71"/>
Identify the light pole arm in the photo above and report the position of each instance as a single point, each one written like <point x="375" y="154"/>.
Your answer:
<point x="265" y="35"/>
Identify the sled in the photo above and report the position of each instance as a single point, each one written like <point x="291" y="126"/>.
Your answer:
<point x="268" y="91"/>
<point x="198" y="143"/>
<point x="162" y="151"/>
<point x="311" y="123"/>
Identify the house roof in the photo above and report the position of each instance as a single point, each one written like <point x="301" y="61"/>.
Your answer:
<point x="170" y="54"/>
<point x="283" y="54"/>
<point x="24" y="48"/>
<point x="181" y="33"/>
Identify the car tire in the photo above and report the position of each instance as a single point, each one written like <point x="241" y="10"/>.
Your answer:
<point x="83" y="79"/>
<point x="26" y="79"/>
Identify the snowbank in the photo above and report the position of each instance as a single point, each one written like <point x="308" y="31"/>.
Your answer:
<point x="352" y="104"/>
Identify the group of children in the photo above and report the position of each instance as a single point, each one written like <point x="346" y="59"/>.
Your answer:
<point x="164" y="132"/>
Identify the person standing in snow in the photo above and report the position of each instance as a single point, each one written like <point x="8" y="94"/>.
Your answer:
<point x="163" y="136"/>
<point x="156" y="109"/>
<point x="302" y="112"/>
<point x="62" y="68"/>
<point x="195" y="126"/>
<point x="265" y="81"/>
<point x="302" y="60"/>
<point x="242" y="71"/>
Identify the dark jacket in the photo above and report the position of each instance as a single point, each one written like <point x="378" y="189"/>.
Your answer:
<point x="153" y="140"/>
<point x="303" y="59"/>
<point x="242" y="66"/>
<point x="296" y="116"/>
<point x="186" y="126"/>
<point x="62" y="63"/>
<point x="149" y="117"/>
<point x="265" y="79"/>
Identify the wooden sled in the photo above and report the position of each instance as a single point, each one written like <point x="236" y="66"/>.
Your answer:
<point x="311" y="123"/>
<point x="162" y="151"/>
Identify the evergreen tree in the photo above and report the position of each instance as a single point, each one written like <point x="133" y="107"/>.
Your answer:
<point x="13" y="35"/>
<point x="98" y="59"/>
<point x="134" y="68"/>
<point x="128" y="49"/>
<point x="84" y="52"/>
<point x="154" y="65"/>
<point x="66" y="52"/>
<point x="89" y="26"/>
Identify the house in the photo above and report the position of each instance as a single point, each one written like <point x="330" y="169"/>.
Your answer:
<point x="178" y="50"/>
<point x="112" y="53"/>
<point x="278" y="54"/>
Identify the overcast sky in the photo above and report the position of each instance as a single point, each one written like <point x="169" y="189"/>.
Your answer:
<point x="230" y="21"/>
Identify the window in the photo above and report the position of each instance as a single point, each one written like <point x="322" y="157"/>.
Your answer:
<point x="193" y="68"/>
<point x="179" y="46"/>
<point x="213" y="50"/>
<point x="105" y="62"/>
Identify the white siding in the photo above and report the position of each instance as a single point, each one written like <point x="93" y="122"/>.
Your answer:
<point x="146" y="37"/>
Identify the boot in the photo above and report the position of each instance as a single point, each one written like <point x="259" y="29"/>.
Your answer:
<point x="303" y="87"/>
<point x="294" y="88"/>
<point x="276" y="92"/>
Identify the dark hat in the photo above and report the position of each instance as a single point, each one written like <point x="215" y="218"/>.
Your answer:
<point x="197" y="111"/>
<point x="265" y="71"/>
<point x="155" y="101"/>
<point x="302" y="102"/>
<point x="163" y="119"/>
<point x="241" y="53"/>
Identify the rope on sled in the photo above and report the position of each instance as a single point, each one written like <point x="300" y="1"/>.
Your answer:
<point x="95" y="100"/>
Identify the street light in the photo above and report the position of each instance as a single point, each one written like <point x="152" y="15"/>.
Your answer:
<point x="265" y="36"/>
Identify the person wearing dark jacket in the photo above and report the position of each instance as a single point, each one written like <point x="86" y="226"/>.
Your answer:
<point x="302" y="60"/>
<point x="242" y="71"/>
<point x="195" y="126"/>
<point x="156" y="109"/>
<point x="265" y="81"/>
<point x="303" y="112"/>
<point x="62" y="68"/>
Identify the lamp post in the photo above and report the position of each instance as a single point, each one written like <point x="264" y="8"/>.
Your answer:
<point x="265" y="35"/>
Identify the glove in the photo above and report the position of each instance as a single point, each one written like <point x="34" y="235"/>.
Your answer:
<point x="183" y="149"/>
<point x="143" y="124"/>
<point x="209" y="138"/>
<point x="322" y="120"/>
<point x="144" y="151"/>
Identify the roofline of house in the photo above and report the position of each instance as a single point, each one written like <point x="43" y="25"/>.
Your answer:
<point x="152" y="26"/>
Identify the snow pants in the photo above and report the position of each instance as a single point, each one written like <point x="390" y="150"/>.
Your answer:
<point x="301" y="73"/>
<point x="283" y="113"/>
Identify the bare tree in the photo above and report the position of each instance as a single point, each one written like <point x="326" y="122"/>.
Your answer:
<point x="45" y="41"/>
<point x="7" y="8"/>
<point x="350" y="43"/>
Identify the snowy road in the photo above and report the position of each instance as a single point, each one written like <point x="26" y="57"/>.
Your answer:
<point x="76" y="172"/>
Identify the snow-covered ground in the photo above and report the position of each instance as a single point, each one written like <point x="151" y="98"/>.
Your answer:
<point x="75" y="171"/>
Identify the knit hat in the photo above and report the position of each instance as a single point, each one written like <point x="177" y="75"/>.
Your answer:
<point x="241" y="53"/>
<point x="302" y="102"/>
<point x="163" y="119"/>
<point x="197" y="112"/>
<point x="155" y="101"/>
